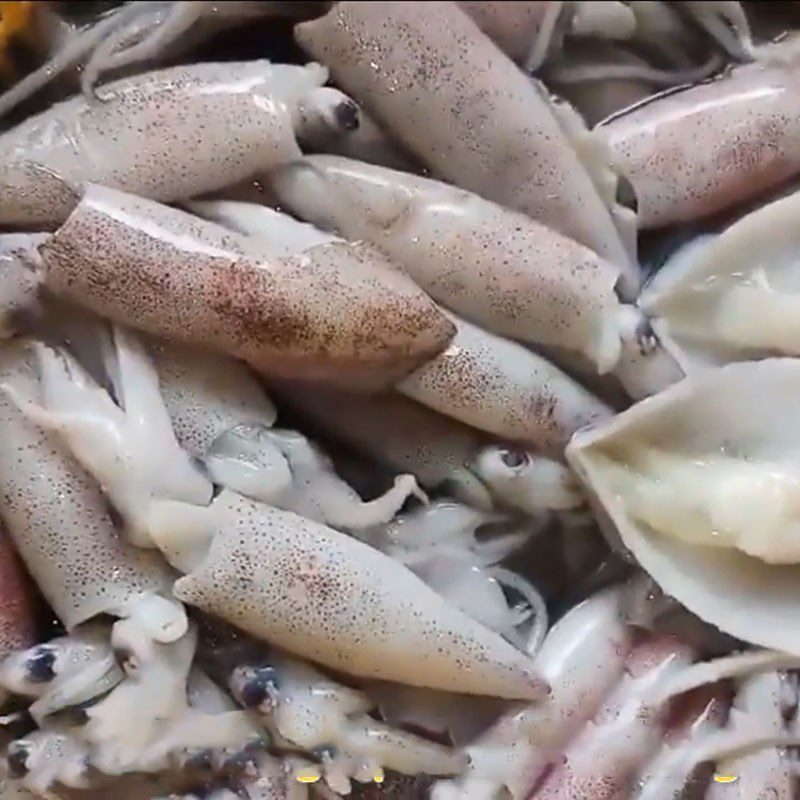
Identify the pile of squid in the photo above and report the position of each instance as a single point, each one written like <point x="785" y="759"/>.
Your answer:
<point x="403" y="409"/>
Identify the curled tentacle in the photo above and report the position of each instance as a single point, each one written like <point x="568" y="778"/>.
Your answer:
<point x="284" y="469"/>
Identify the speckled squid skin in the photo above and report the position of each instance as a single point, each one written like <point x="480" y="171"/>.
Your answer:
<point x="57" y="517"/>
<point x="207" y="393"/>
<point x="326" y="596"/>
<point x="338" y="311"/>
<point x="714" y="145"/>
<point x="499" y="268"/>
<point x="500" y="387"/>
<point x="17" y="620"/>
<point x="168" y="135"/>
<point x="442" y="87"/>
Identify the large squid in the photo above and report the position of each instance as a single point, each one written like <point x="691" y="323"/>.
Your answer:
<point x="336" y="311"/>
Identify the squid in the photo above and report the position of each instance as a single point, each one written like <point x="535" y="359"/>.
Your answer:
<point x="706" y="148"/>
<point x="502" y="388"/>
<point x="439" y="451"/>
<point x="498" y="268"/>
<point x="325" y="596"/>
<point x="130" y="448"/>
<point x="59" y="523"/>
<point x="154" y="135"/>
<point x="336" y="311"/>
<point x="302" y="707"/>
<point x="512" y="146"/>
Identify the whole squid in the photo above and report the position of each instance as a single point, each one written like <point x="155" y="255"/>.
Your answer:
<point x="499" y="268"/>
<point x="167" y="135"/>
<point x="58" y="519"/>
<point x="336" y="311"/>
<point x="500" y="387"/>
<point x="494" y="132"/>
<point x="330" y="598"/>
<point x="709" y="147"/>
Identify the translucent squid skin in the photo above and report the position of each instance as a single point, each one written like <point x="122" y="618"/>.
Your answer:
<point x="337" y="311"/>
<point x="325" y="596"/>
<point x="18" y="281"/>
<point x="499" y="268"/>
<point x="500" y="387"/>
<point x="713" y="145"/>
<point x="167" y="135"/>
<point x="492" y="131"/>
<point x="58" y="518"/>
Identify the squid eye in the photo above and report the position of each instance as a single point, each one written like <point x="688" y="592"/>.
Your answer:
<point x="17" y="759"/>
<point x="325" y="752"/>
<point x="261" y="686"/>
<point x="514" y="458"/>
<point x="39" y="667"/>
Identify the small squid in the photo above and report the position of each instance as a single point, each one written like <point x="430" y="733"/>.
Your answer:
<point x="305" y="708"/>
<point x="330" y="598"/>
<point x="709" y="147"/>
<point x="335" y="311"/>
<point x="494" y="132"/>
<point x="58" y="520"/>
<point x="500" y="387"/>
<point x="167" y="135"/>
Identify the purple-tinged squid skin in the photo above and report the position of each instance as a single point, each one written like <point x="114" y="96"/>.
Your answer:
<point x="432" y="78"/>
<point x="337" y="311"/>
<point x="17" y="617"/>
<point x="58" y="518"/>
<point x="325" y="596"/>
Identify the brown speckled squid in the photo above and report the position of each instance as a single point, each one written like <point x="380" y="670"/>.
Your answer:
<point x="326" y="596"/>
<point x="336" y="311"/>
<point x="493" y="132"/>
<point x="167" y="135"/>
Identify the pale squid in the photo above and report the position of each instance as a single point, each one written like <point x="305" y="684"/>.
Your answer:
<point x="302" y="707"/>
<point x="494" y="132"/>
<point x="323" y="595"/>
<point x="167" y="135"/>
<point x="500" y="387"/>
<point x="708" y="147"/>
<point x="733" y="296"/>
<point x="59" y="522"/>
<point x="502" y="270"/>
<point x="702" y="483"/>
<point x="336" y="311"/>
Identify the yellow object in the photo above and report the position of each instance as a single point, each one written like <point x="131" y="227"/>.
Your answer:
<point x="726" y="778"/>
<point x="379" y="777"/>
<point x="16" y="19"/>
<point x="307" y="776"/>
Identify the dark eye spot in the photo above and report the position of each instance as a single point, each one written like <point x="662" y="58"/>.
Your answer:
<point x="347" y="116"/>
<point x="514" y="458"/>
<point x="39" y="667"/>
<point x="17" y="759"/>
